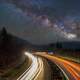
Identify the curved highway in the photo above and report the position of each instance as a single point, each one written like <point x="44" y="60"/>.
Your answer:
<point x="70" y="69"/>
<point x="36" y="69"/>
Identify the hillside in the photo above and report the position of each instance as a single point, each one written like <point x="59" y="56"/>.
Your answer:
<point x="11" y="50"/>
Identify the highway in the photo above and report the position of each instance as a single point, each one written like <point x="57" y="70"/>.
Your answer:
<point x="70" y="69"/>
<point x="36" y="69"/>
<point x="39" y="67"/>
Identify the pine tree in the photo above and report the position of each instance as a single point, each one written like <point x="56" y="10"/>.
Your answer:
<point x="4" y="32"/>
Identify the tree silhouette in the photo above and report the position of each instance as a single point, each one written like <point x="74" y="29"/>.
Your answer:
<point x="4" y="32"/>
<point x="59" y="45"/>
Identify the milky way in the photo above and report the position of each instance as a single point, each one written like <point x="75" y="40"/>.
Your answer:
<point x="41" y="21"/>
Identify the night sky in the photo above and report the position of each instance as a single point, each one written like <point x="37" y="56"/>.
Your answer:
<point x="41" y="21"/>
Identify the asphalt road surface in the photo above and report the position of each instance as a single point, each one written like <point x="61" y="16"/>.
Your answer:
<point x="70" y="69"/>
<point x="37" y="69"/>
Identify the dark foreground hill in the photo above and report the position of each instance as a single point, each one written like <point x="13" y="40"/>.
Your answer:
<point x="11" y="50"/>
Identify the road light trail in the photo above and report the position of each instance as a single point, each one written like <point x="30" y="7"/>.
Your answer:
<point x="71" y="69"/>
<point x="34" y="70"/>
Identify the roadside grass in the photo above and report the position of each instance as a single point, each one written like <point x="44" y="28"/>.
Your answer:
<point x="69" y="56"/>
<point x="72" y="58"/>
<point x="14" y="73"/>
